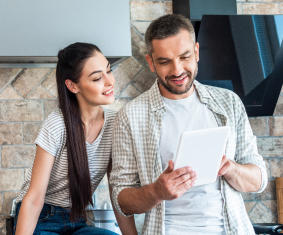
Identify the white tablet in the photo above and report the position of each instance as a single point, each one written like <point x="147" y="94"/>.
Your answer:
<point x="202" y="150"/>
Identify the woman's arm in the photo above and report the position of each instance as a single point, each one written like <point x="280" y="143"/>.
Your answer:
<point x="126" y="224"/>
<point x="34" y="199"/>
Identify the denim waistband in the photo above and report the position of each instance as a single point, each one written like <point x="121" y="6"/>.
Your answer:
<point x="55" y="218"/>
<point x="55" y="209"/>
<point x="51" y="209"/>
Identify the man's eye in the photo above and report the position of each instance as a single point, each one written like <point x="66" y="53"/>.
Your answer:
<point x="164" y="62"/>
<point x="185" y="57"/>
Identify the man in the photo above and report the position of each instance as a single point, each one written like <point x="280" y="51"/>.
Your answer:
<point x="147" y="132"/>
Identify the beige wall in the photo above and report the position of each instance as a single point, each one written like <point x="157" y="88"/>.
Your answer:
<point x="28" y="95"/>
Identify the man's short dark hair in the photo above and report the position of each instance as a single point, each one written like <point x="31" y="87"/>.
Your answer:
<point x="165" y="26"/>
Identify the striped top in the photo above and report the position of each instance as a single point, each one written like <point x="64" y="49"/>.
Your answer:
<point x="52" y="138"/>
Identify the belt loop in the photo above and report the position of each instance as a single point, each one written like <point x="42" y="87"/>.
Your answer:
<point x="52" y="210"/>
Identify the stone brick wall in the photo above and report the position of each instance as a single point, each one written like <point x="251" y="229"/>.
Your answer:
<point x="27" y="96"/>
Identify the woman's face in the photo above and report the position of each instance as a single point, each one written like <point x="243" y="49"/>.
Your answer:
<point x="96" y="84"/>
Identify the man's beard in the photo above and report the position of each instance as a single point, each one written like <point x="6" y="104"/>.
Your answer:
<point x="172" y="89"/>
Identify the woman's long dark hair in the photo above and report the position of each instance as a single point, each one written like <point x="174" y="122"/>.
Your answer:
<point x="71" y="61"/>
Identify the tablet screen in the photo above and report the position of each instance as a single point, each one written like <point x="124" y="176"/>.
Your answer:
<point x="202" y="150"/>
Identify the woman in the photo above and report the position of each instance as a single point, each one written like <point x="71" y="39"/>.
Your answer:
<point x="73" y="147"/>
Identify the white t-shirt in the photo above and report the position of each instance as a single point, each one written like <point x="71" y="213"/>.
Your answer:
<point x="200" y="209"/>
<point x="51" y="138"/>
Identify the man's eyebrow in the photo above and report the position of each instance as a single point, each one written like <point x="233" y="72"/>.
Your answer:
<point x="165" y="58"/>
<point x="98" y="71"/>
<point x="185" y="53"/>
<point x="162" y="58"/>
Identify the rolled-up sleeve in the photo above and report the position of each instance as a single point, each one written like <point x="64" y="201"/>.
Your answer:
<point x="124" y="173"/>
<point x="246" y="148"/>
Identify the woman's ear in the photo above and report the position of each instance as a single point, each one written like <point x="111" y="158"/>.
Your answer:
<point x="72" y="87"/>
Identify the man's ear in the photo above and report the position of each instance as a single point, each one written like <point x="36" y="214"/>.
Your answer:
<point x="150" y="62"/>
<point x="197" y="51"/>
<point x="72" y="87"/>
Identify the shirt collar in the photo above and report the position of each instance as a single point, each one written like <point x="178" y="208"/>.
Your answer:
<point x="157" y="103"/>
<point x="206" y="97"/>
<point x="155" y="97"/>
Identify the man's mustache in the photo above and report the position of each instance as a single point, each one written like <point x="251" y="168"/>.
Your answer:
<point x="189" y="74"/>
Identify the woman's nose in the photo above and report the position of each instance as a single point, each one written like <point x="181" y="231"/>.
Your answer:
<point x="109" y="79"/>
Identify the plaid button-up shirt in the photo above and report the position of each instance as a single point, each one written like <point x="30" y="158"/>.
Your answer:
<point x="136" y="157"/>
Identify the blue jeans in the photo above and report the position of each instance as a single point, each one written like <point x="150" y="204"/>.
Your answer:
<point x="56" y="220"/>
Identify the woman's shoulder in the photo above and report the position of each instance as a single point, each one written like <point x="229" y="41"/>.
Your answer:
<point x="55" y="118"/>
<point x="51" y="136"/>
<point x="54" y="124"/>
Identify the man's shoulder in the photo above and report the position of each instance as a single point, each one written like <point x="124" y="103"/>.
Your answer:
<point x="135" y="109"/>
<point x="223" y="95"/>
<point x="141" y="102"/>
<point x="225" y="101"/>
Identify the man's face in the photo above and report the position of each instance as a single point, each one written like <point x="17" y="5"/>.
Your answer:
<point x="175" y="61"/>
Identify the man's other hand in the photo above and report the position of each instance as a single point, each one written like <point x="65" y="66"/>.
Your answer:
<point x="244" y="178"/>
<point x="226" y="168"/>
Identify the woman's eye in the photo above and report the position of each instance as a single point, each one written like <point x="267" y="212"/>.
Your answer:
<point x="109" y="71"/>
<point x="96" y="79"/>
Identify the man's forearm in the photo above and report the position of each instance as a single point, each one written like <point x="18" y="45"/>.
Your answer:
<point x="170" y="185"/>
<point x="126" y="224"/>
<point x="244" y="178"/>
<point x="138" y="200"/>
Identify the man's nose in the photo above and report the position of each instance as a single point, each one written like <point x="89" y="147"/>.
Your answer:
<point x="177" y="68"/>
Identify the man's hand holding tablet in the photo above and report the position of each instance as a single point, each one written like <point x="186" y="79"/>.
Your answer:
<point x="172" y="184"/>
